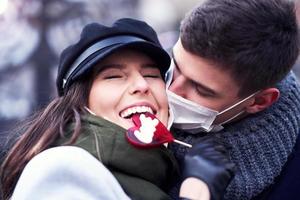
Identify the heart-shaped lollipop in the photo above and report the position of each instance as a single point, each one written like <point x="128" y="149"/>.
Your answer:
<point x="149" y="132"/>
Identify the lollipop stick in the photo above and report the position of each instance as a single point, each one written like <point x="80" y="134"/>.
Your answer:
<point x="183" y="143"/>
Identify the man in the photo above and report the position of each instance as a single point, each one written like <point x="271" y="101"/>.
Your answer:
<point x="228" y="64"/>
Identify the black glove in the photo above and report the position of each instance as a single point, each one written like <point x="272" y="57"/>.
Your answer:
<point x="208" y="161"/>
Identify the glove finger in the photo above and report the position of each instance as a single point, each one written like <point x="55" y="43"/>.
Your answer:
<point x="220" y="148"/>
<point x="231" y="167"/>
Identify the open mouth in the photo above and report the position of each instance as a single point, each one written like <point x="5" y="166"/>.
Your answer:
<point x="128" y="113"/>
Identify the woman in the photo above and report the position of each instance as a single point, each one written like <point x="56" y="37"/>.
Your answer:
<point x="108" y="76"/>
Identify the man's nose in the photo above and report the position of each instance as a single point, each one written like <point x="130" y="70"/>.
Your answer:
<point x="139" y="84"/>
<point x="178" y="86"/>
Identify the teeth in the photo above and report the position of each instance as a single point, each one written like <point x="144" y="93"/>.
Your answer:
<point x="137" y="109"/>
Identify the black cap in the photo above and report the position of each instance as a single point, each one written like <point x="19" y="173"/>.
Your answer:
<point x="98" y="41"/>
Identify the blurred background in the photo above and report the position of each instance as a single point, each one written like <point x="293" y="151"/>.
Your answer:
<point x="34" y="32"/>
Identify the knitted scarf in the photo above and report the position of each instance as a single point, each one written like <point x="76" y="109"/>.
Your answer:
<point x="259" y="145"/>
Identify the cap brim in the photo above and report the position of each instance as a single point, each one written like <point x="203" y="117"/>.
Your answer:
<point x="160" y="56"/>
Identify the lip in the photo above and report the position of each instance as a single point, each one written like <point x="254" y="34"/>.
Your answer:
<point x="140" y="104"/>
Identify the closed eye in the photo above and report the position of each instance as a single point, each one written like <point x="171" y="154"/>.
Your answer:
<point x="151" y="72"/>
<point x="152" y="76"/>
<point x="203" y="91"/>
<point x="112" y="77"/>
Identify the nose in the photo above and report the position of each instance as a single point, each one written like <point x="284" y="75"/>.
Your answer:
<point x="178" y="86"/>
<point x="139" y="85"/>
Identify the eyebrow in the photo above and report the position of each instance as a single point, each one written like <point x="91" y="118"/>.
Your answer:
<point x="121" y="66"/>
<point x="99" y="69"/>
<point x="194" y="82"/>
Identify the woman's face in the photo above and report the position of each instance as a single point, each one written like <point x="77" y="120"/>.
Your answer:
<point x="128" y="82"/>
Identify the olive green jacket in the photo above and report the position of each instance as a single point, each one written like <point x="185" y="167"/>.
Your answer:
<point x="143" y="173"/>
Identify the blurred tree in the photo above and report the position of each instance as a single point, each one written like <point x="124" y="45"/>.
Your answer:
<point x="32" y="34"/>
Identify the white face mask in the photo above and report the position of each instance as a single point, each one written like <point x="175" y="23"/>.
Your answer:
<point x="195" y="118"/>
<point x="192" y="117"/>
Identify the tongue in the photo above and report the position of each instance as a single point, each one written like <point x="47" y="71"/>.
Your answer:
<point x="136" y="118"/>
<point x="148" y="131"/>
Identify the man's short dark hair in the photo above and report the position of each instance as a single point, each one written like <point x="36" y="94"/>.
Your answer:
<point x="255" y="40"/>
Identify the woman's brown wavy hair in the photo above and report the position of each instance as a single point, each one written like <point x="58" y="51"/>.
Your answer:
<point x="42" y="130"/>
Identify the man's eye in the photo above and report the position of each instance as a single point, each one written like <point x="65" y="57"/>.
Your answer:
<point x="201" y="92"/>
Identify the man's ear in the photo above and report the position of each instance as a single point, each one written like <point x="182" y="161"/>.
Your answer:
<point x="263" y="100"/>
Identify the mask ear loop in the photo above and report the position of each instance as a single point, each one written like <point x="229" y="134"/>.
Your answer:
<point x="168" y="80"/>
<point x="169" y="74"/>
<point x="238" y="103"/>
<point x="233" y="117"/>
<point x="91" y="112"/>
<point x="171" y="118"/>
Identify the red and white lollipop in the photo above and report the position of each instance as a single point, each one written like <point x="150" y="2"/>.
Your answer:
<point x="149" y="132"/>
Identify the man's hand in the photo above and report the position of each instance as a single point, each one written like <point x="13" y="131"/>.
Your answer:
<point x="208" y="161"/>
